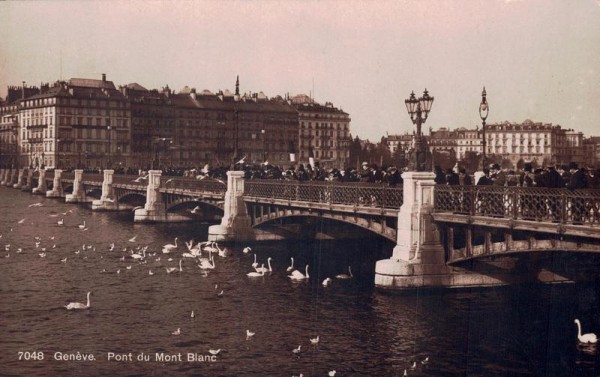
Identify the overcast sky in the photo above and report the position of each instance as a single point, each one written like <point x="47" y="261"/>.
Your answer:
<point x="538" y="59"/>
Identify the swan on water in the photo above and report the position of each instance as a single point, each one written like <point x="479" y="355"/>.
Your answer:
<point x="249" y="334"/>
<point x="255" y="264"/>
<point x="79" y="305"/>
<point x="128" y="267"/>
<point x="314" y="340"/>
<point x="291" y="267"/>
<point x="171" y="270"/>
<point x="111" y="246"/>
<point x="82" y="226"/>
<point x="247" y="249"/>
<point x="326" y="282"/>
<point x="192" y="315"/>
<point x="414" y="365"/>
<point x="64" y="260"/>
<point x="297" y="350"/>
<point x="132" y="239"/>
<point x="170" y="247"/>
<point x="585" y="338"/>
<point x="297" y="275"/>
<point x="345" y="276"/>
<point x="263" y="269"/>
<point x="207" y="264"/>
<point x="257" y="274"/>
<point x="220" y="294"/>
<point x="139" y="256"/>
<point x="425" y="361"/>
<point x="176" y="332"/>
<point x="61" y="222"/>
<point x="150" y="272"/>
<point x="331" y="373"/>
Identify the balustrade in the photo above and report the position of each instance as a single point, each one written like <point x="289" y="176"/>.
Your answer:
<point x="355" y="194"/>
<point x="523" y="203"/>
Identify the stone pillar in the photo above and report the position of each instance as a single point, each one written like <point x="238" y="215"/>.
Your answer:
<point x="41" y="187"/>
<point x="21" y="179"/>
<point x="28" y="183"/>
<point x="78" y="194"/>
<point x="13" y="177"/>
<point x="418" y="257"/>
<point x="107" y="200"/>
<point x="154" y="210"/>
<point x="235" y="224"/>
<point x="57" y="189"/>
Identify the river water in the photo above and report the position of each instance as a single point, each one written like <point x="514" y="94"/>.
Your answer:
<point x="508" y="331"/>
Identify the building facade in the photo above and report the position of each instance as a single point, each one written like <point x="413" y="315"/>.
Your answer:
<point x="75" y="123"/>
<point x="324" y="132"/>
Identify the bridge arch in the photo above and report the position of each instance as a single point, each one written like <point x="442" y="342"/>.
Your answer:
<point x="375" y="227"/>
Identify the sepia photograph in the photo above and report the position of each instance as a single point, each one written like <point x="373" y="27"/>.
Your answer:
<point x="300" y="188"/>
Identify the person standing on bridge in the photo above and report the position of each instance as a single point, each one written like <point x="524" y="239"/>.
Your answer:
<point x="578" y="181"/>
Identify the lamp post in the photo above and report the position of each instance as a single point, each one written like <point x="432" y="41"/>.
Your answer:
<point x="57" y="165"/>
<point x="264" y="150"/>
<point x="108" y="128"/>
<point x="418" y="109"/>
<point x="236" y="108"/>
<point x="483" y="114"/>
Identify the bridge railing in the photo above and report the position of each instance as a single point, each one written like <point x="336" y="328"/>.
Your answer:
<point x="208" y="185"/>
<point x="523" y="203"/>
<point x="354" y="194"/>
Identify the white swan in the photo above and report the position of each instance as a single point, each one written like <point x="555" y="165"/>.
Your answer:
<point x="326" y="282"/>
<point x="291" y="267"/>
<point x="176" y="332"/>
<point x="263" y="269"/>
<point x="79" y="305"/>
<point x="345" y="276"/>
<point x="82" y="226"/>
<point x="297" y="275"/>
<point x="150" y="272"/>
<point x="132" y="239"/>
<point x="255" y="264"/>
<point x="314" y="340"/>
<point x="247" y="249"/>
<point x="207" y="265"/>
<point x="137" y="256"/>
<point x="169" y="247"/>
<point x="585" y="338"/>
<point x="249" y="334"/>
<point x="297" y="350"/>
<point x="257" y="274"/>
<point x="61" y="222"/>
<point x="171" y="270"/>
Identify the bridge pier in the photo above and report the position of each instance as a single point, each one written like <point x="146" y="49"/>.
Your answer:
<point x="41" y="188"/>
<point x="3" y="176"/>
<point x="13" y="178"/>
<point x="235" y="225"/>
<point x="107" y="201"/>
<point x="154" y="210"/>
<point x="28" y="181"/>
<point x="78" y="195"/>
<point x="418" y="257"/>
<point x="57" y="189"/>
<point x="20" y="179"/>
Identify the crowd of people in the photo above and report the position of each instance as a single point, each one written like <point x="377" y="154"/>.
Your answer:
<point x="569" y="176"/>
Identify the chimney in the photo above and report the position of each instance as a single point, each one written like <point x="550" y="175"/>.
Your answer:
<point x="23" y="91"/>
<point x="104" y="77"/>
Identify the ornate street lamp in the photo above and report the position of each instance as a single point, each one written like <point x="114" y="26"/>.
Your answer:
<point x="483" y="114"/>
<point x="108" y="128"/>
<point x="236" y="108"/>
<point x="418" y="109"/>
<point x="57" y="165"/>
<point x="264" y="151"/>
